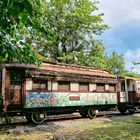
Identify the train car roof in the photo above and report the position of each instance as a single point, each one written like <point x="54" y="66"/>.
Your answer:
<point x="130" y="78"/>
<point x="133" y="78"/>
<point x="64" y="68"/>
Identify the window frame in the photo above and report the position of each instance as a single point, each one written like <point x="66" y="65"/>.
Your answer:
<point x="40" y="81"/>
<point x="114" y="87"/>
<point x="62" y="84"/>
<point x="99" y="84"/>
<point x="86" y="84"/>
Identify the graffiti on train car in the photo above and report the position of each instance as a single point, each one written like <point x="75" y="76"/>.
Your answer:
<point x="48" y="99"/>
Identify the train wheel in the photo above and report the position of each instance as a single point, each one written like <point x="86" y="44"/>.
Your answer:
<point x="28" y="117"/>
<point x="122" y="109"/>
<point x="83" y="113"/>
<point x="38" y="118"/>
<point x="131" y="111"/>
<point x="92" y="113"/>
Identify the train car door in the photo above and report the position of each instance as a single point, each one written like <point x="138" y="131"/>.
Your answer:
<point x="131" y="90"/>
<point x="14" y="82"/>
<point x="137" y="97"/>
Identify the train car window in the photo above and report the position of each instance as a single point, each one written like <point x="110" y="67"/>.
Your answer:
<point x="40" y="85"/>
<point x="122" y="86"/>
<point x="134" y="88"/>
<point x="100" y="87"/>
<point x="83" y="86"/>
<point x="16" y="77"/>
<point x="64" y="85"/>
<point x="112" y="87"/>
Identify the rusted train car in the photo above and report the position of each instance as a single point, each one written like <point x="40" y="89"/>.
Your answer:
<point x="128" y="94"/>
<point x="55" y="89"/>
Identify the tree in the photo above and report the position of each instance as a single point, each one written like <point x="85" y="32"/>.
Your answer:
<point x="61" y="30"/>
<point x="17" y="18"/>
<point x="73" y="24"/>
<point x="95" y="57"/>
<point x="115" y="64"/>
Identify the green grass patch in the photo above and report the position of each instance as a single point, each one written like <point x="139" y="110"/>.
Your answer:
<point x="124" y="129"/>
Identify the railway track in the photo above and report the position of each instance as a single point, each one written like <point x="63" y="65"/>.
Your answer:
<point x="21" y="124"/>
<point x="22" y="120"/>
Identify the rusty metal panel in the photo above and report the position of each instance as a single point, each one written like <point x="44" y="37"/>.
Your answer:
<point x="24" y="93"/>
<point x="15" y="94"/>
<point x="64" y="68"/>
<point x="137" y="97"/>
<point x="7" y="89"/>
<point x="131" y="96"/>
<point x="3" y="84"/>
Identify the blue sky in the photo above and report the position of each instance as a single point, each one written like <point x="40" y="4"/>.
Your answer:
<point x="124" y="36"/>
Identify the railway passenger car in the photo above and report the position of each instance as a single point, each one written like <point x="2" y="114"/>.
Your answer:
<point x="128" y="94"/>
<point x="55" y="89"/>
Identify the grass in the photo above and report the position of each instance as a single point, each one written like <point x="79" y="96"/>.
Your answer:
<point x="124" y="129"/>
<point x="121" y="128"/>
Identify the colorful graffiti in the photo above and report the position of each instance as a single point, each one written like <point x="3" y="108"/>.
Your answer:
<point x="56" y="99"/>
<point x="41" y="99"/>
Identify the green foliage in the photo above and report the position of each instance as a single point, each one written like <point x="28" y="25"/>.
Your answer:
<point x="61" y="31"/>
<point x="95" y="56"/>
<point x="132" y="74"/>
<point x="115" y="64"/>
<point x="73" y="25"/>
<point x="17" y="47"/>
<point x="16" y="19"/>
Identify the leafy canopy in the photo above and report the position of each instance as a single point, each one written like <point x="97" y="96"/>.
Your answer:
<point x="60" y="30"/>
<point x="115" y="64"/>
<point x="73" y="24"/>
<point x="16" y="20"/>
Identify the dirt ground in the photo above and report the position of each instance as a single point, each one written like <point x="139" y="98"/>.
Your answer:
<point x="72" y="128"/>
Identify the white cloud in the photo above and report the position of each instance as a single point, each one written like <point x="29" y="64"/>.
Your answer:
<point x="130" y="57"/>
<point x="120" y="11"/>
<point x="124" y="18"/>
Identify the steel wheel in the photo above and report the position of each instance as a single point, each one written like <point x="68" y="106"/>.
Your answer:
<point x="38" y="118"/>
<point x="28" y="118"/>
<point x="131" y="111"/>
<point x="122" y="109"/>
<point x="83" y="113"/>
<point x="92" y="113"/>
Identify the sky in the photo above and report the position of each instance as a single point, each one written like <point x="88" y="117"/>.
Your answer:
<point x="123" y="16"/>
